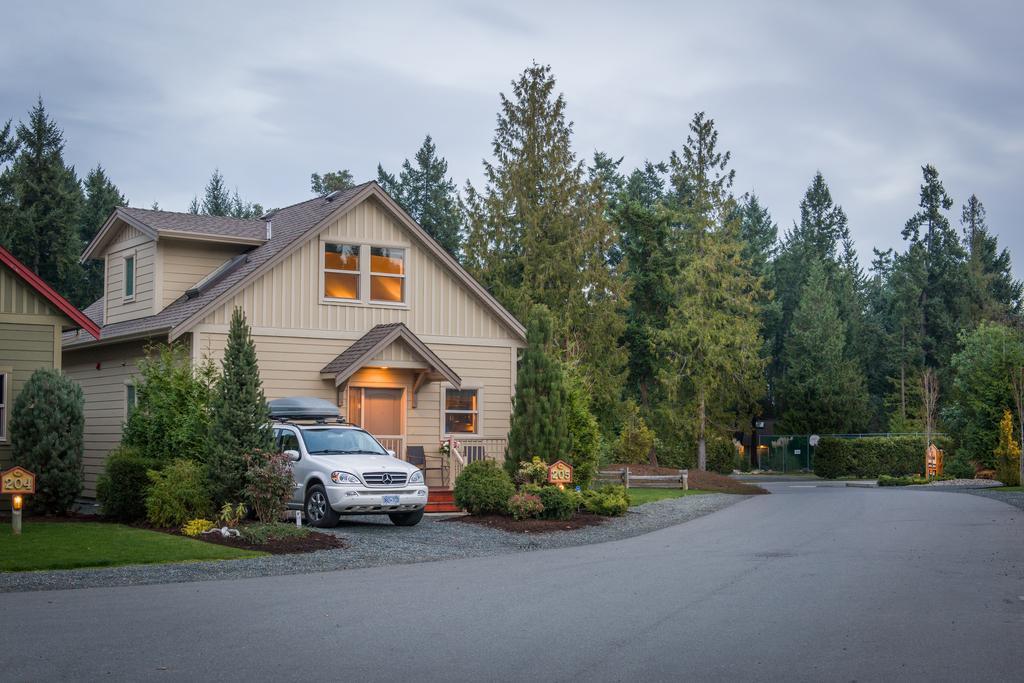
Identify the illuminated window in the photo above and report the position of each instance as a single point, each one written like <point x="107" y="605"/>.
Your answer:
<point x="387" y="274"/>
<point x="461" y="411"/>
<point x="341" y="271"/>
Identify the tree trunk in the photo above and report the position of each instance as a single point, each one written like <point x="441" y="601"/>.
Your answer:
<point x="702" y="450"/>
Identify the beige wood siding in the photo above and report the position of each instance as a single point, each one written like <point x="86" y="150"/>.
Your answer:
<point x="130" y="242"/>
<point x="17" y="298"/>
<point x="184" y="263"/>
<point x="24" y="348"/>
<point x="105" y="407"/>
<point x="290" y="366"/>
<point x="288" y="296"/>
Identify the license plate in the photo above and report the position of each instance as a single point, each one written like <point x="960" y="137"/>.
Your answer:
<point x="391" y="500"/>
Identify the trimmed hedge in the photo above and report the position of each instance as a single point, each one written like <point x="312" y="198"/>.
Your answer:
<point x="124" y="485"/>
<point x="872" y="456"/>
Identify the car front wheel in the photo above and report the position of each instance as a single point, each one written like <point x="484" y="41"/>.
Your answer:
<point x="318" y="508"/>
<point x="406" y="518"/>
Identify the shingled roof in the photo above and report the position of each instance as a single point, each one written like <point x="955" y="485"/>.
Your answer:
<point x="291" y="225"/>
<point x="198" y="224"/>
<point x="378" y="338"/>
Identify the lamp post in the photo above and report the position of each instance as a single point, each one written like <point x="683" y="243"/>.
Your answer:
<point x="16" y="504"/>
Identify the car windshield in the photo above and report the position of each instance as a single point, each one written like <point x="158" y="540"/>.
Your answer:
<point x="326" y="440"/>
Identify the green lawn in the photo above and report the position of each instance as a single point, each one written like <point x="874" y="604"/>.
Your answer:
<point x="641" y="496"/>
<point x="67" y="545"/>
<point x="1009" y="488"/>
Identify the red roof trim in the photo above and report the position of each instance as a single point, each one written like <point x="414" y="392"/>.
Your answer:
<point x="48" y="292"/>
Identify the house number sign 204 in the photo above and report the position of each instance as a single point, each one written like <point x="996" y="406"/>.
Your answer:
<point x="17" y="480"/>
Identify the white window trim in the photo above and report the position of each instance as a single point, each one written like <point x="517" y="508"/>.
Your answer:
<point x="125" y="297"/>
<point x="364" y="275"/>
<point x="5" y="403"/>
<point x="462" y="436"/>
<point x="402" y="277"/>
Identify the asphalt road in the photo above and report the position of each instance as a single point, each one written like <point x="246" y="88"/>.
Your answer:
<point x="813" y="583"/>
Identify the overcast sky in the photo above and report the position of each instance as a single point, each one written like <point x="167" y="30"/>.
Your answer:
<point x="270" y="92"/>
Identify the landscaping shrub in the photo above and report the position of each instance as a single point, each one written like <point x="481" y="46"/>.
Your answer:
<point x="584" y="432"/>
<point x="557" y="503"/>
<point x="534" y="471"/>
<point x="258" y="534"/>
<point x="195" y="527"/>
<point x="124" y="485"/>
<point x="171" y="418"/>
<point x="1007" y="453"/>
<point x="525" y="506"/>
<point x="240" y="416"/>
<point x="178" y="494"/>
<point x="722" y="455"/>
<point x="483" y="488"/>
<point x="871" y="456"/>
<point x="269" y="484"/>
<point x="46" y="426"/>
<point x="636" y="440"/>
<point x="609" y="501"/>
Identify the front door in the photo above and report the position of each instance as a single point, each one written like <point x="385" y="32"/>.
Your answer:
<point x="380" y="412"/>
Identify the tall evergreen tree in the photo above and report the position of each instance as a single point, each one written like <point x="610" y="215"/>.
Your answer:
<point x="939" y="257"/>
<point x="540" y="411"/>
<point x="992" y="291"/>
<point x="713" y="376"/>
<point x="821" y="389"/>
<point x="241" y="419"/>
<point x="44" y="201"/>
<point x="759" y="233"/>
<point x="332" y="181"/>
<point x="427" y="193"/>
<point x="218" y="200"/>
<point x="101" y="198"/>
<point x="538" y="233"/>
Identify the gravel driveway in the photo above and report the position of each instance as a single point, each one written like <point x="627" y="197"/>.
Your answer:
<point x="374" y="541"/>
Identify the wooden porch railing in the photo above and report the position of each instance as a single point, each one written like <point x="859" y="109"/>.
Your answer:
<point x="470" y="451"/>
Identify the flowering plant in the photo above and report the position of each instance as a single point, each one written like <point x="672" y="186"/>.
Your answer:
<point x="446" y="446"/>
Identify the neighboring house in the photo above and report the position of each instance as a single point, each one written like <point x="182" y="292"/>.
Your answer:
<point x="32" y="318"/>
<point x="348" y="299"/>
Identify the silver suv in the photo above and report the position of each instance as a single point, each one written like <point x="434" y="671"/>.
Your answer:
<point x="340" y="469"/>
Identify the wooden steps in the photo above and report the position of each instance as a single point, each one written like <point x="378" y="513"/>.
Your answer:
<point x="441" y="500"/>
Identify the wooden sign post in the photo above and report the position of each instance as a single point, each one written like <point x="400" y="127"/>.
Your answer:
<point x="560" y="473"/>
<point x="18" y="482"/>
<point x="932" y="461"/>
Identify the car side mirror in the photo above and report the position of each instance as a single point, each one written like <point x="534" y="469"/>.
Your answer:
<point x="292" y="455"/>
<point x="390" y="452"/>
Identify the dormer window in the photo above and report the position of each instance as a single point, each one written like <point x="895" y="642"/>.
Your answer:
<point x="129" y="278"/>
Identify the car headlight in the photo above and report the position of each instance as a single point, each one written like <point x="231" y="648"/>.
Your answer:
<point x="416" y="477"/>
<point x="344" y="478"/>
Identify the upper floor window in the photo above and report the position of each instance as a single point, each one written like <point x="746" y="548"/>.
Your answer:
<point x="4" y="379"/>
<point x="364" y="273"/>
<point x="387" y="274"/>
<point x="129" y="278"/>
<point x="341" y="271"/>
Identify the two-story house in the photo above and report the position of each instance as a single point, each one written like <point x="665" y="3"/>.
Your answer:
<point x="349" y="299"/>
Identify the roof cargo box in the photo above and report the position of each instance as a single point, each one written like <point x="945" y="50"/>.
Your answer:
<point x="303" y="407"/>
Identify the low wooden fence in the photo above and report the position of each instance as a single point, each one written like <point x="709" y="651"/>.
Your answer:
<point x="647" y="481"/>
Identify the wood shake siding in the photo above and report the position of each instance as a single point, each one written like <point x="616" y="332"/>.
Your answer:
<point x="130" y="242"/>
<point x="185" y="263"/>
<point x="105" y="399"/>
<point x="289" y="295"/>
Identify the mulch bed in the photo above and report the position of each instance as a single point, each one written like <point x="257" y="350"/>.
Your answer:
<point x="283" y="546"/>
<point x="531" y="526"/>
<point x="705" y="481"/>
